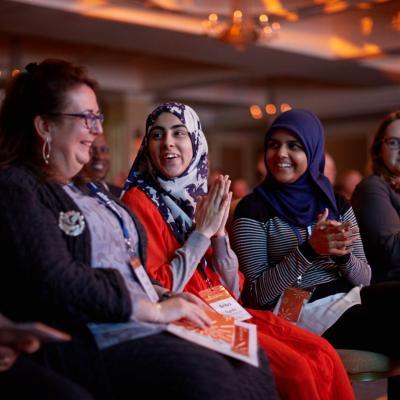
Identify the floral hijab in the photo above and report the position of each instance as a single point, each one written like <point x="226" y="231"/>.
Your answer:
<point x="174" y="197"/>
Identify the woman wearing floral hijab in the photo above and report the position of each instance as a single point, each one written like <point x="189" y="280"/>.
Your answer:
<point x="164" y="188"/>
<point x="293" y="233"/>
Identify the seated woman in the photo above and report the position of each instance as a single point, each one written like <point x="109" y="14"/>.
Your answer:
<point x="70" y="252"/>
<point x="376" y="202"/>
<point x="166" y="189"/>
<point x="293" y="233"/>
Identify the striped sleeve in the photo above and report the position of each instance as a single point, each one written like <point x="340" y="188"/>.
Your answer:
<point x="356" y="268"/>
<point x="264" y="282"/>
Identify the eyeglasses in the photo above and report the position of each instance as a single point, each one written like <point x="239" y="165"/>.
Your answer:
<point x="90" y="118"/>
<point x="393" y="143"/>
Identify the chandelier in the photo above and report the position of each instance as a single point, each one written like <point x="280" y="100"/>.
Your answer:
<point x="242" y="29"/>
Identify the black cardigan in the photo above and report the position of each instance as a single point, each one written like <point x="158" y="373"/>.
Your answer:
<point x="46" y="275"/>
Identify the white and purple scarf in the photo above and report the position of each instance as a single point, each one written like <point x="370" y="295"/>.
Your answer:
<point x="174" y="197"/>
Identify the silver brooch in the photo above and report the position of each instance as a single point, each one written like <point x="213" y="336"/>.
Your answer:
<point x="71" y="222"/>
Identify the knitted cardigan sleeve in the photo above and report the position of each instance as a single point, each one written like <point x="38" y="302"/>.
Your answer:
<point x="48" y="272"/>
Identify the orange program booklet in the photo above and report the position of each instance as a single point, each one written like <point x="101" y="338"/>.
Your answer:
<point x="225" y="335"/>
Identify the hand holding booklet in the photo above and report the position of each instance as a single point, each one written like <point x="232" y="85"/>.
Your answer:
<point x="225" y="335"/>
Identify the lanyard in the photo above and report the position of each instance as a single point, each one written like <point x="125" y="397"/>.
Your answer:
<point x="203" y="271"/>
<point x="112" y="207"/>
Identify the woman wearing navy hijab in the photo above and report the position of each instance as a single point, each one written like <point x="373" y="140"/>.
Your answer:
<point x="293" y="235"/>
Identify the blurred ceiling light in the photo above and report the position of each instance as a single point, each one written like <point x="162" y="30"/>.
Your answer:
<point x="335" y="6"/>
<point x="270" y="109"/>
<point x="396" y="22"/>
<point x="243" y="29"/>
<point x="367" y="24"/>
<point x="347" y="49"/>
<point x="364" y="6"/>
<point x="15" y="72"/>
<point x="255" y="111"/>
<point x="285" y="107"/>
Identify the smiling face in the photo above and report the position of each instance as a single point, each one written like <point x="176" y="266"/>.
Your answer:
<point x="285" y="156"/>
<point x="100" y="161"/>
<point x="391" y="154"/>
<point x="170" y="146"/>
<point x="71" y="140"/>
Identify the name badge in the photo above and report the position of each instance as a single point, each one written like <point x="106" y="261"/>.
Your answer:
<point x="143" y="278"/>
<point x="221" y="301"/>
<point x="291" y="303"/>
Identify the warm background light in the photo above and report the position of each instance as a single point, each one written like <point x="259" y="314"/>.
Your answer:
<point x="255" y="111"/>
<point x="270" y="109"/>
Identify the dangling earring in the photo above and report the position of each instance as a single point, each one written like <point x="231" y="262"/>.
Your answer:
<point x="46" y="149"/>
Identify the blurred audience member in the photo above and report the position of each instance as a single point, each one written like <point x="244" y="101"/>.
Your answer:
<point x="240" y="188"/>
<point x="347" y="181"/>
<point x="99" y="164"/>
<point x="330" y="168"/>
<point x="261" y="170"/>
<point x="376" y="202"/>
<point x="213" y="176"/>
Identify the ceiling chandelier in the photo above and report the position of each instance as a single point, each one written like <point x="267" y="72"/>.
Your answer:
<point x="242" y="29"/>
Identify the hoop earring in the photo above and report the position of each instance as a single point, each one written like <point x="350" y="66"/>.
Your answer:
<point x="46" y="149"/>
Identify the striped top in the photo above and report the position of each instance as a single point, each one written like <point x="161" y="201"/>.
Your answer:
<point x="274" y="255"/>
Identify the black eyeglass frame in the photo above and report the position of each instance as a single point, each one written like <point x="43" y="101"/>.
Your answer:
<point x="89" y="118"/>
<point x="395" y="139"/>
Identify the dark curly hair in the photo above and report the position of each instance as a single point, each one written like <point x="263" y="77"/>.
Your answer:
<point x="40" y="90"/>
<point x="378" y="166"/>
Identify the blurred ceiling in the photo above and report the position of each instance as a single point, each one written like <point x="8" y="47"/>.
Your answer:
<point x="338" y="58"/>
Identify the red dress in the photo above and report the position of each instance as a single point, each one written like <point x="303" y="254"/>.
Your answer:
<point x="305" y="366"/>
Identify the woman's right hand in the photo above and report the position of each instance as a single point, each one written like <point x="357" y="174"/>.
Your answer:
<point x="178" y="306"/>
<point x="212" y="210"/>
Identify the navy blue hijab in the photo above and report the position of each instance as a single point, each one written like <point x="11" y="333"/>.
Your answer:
<point x="300" y="202"/>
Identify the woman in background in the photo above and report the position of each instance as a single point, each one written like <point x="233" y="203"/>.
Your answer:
<point x="376" y="202"/>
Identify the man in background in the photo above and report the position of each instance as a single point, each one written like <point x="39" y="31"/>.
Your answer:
<point x="99" y="164"/>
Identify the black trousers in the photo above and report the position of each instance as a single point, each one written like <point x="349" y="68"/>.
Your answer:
<point x="28" y="380"/>
<point x="164" y="366"/>
<point x="372" y="325"/>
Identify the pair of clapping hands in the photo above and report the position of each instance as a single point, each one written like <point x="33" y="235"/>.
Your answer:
<point x="331" y="237"/>
<point x="212" y="210"/>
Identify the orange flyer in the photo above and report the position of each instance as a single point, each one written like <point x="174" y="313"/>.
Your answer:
<point x="225" y="335"/>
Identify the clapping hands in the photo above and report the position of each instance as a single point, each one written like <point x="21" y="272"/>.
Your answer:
<point x="212" y="210"/>
<point x="331" y="237"/>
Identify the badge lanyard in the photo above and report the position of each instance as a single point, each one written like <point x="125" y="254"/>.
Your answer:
<point x="134" y="261"/>
<point x="111" y="206"/>
<point x="219" y="298"/>
<point x="203" y="271"/>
